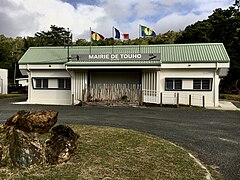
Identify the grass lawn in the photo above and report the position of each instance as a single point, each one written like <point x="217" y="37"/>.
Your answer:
<point x="3" y="96"/>
<point x="112" y="153"/>
<point x="235" y="97"/>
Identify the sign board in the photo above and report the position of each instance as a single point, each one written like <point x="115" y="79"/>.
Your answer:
<point x="110" y="57"/>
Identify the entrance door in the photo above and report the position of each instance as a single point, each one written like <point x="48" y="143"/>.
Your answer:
<point x="118" y="86"/>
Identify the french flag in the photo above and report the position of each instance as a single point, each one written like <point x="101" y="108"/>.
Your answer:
<point x="118" y="35"/>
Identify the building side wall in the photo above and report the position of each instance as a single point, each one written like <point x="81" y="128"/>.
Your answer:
<point x="187" y="76"/>
<point x="3" y="81"/>
<point x="52" y="94"/>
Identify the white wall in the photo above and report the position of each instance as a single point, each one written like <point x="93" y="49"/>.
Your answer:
<point x="59" y="97"/>
<point x="3" y="81"/>
<point x="79" y="83"/>
<point x="210" y="97"/>
<point x="48" y="96"/>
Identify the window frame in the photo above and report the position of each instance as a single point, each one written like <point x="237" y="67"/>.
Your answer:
<point x="210" y="81"/>
<point x="43" y="83"/>
<point x="40" y="83"/>
<point x="173" y="82"/>
<point x="66" y="83"/>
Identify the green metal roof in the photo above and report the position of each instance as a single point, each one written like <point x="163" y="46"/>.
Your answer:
<point x="171" y="53"/>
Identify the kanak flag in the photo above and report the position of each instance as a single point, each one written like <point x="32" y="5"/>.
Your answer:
<point x="96" y="36"/>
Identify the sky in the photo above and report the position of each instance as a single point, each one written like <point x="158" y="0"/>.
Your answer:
<point x="26" y="17"/>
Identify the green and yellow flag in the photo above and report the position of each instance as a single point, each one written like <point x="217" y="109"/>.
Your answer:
<point x="145" y="31"/>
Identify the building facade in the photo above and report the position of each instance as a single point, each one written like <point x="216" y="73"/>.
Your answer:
<point x="3" y="81"/>
<point x="162" y="74"/>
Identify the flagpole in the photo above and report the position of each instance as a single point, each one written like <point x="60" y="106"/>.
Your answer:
<point x="139" y="38"/>
<point x="112" y="38"/>
<point x="90" y="50"/>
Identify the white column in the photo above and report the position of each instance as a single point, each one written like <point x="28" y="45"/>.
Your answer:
<point x="158" y="81"/>
<point x="72" y="74"/>
<point x="216" y="82"/>
<point x="216" y="87"/>
<point x="30" y="86"/>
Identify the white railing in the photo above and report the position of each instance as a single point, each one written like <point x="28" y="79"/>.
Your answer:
<point x="172" y="98"/>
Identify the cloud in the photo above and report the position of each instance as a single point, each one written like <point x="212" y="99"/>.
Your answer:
<point x="15" y="20"/>
<point x="180" y="21"/>
<point x="26" y="17"/>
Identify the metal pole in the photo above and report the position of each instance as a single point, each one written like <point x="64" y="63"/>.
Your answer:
<point x="203" y="99"/>
<point x="112" y="38"/>
<point x="161" y="99"/>
<point x="15" y="70"/>
<point x="139" y="38"/>
<point x="177" y="100"/>
<point x="90" y="41"/>
<point x="190" y="100"/>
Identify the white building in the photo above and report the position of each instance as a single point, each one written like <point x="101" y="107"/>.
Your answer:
<point x="162" y="74"/>
<point x="22" y="81"/>
<point x="3" y="81"/>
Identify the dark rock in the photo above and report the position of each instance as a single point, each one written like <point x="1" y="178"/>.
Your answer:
<point x="61" y="146"/>
<point x="24" y="151"/>
<point x="39" y="122"/>
<point x="14" y="119"/>
<point x="66" y="131"/>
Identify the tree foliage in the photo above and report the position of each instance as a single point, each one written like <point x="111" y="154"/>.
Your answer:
<point x="10" y="52"/>
<point x="56" y="36"/>
<point x="223" y="26"/>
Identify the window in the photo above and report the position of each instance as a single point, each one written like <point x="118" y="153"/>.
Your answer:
<point x="41" y="83"/>
<point x="38" y="83"/>
<point x="196" y="84"/>
<point x="45" y="83"/>
<point x="206" y="84"/>
<point x="173" y="84"/>
<point x="52" y="83"/>
<point x="64" y="83"/>
<point x="178" y="84"/>
<point x="202" y="84"/>
<point x="61" y="83"/>
<point x="169" y="84"/>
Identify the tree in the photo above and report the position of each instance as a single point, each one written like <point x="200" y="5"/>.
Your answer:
<point x="10" y="53"/>
<point x="223" y="26"/>
<point x="57" y="36"/>
<point x="200" y="32"/>
<point x="237" y="3"/>
<point x="82" y="42"/>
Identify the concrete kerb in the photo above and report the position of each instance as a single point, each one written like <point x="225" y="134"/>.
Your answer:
<point x="208" y="174"/>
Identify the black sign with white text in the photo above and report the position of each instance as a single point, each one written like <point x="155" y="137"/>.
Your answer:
<point x="102" y="57"/>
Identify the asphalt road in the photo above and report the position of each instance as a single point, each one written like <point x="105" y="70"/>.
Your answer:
<point x="212" y="135"/>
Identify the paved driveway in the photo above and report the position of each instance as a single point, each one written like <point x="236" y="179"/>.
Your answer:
<point x="212" y="135"/>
